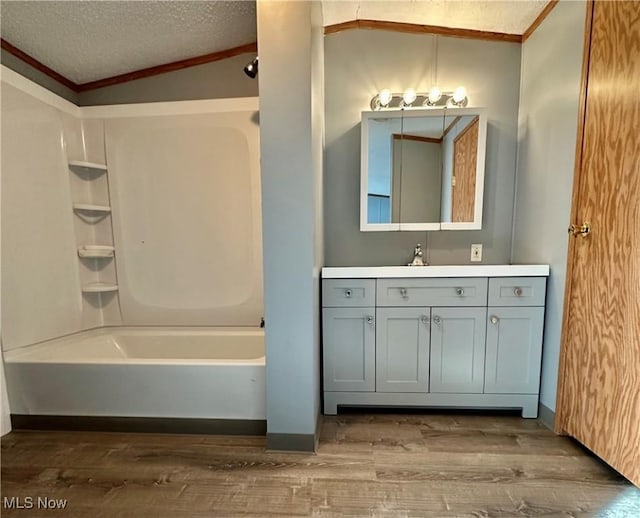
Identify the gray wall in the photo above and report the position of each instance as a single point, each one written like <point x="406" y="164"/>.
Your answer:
<point x="551" y="68"/>
<point x="216" y="80"/>
<point x="358" y="64"/>
<point x="19" y="66"/>
<point x="291" y="150"/>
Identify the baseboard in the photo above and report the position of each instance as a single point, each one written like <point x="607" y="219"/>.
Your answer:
<point x="547" y="416"/>
<point x="140" y="424"/>
<point x="300" y="442"/>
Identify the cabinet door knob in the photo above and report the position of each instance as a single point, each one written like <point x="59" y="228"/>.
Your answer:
<point x="494" y="319"/>
<point x="403" y="293"/>
<point x="370" y="319"/>
<point x="460" y="291"/>
<point x="437" y="320"/>
<point x="347" y="293"/>
<point x="518" y="291"/>
<point x="424" y="319"/>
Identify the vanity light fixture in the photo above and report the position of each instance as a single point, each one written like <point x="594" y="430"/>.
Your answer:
<point x="459" y="97"/>
<point x="385" y="99"/>
<point x="433" y="97"/>
<point x="408" y="97"/>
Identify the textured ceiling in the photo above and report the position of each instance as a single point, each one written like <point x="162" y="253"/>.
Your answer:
<point x="93" y="39"/>
<point x="89" y="40"/>
<point x="513" y="17"/>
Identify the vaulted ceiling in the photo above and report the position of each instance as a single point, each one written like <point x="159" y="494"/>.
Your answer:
<point x="92" y="39"/>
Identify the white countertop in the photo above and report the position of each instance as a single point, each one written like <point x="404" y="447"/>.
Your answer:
<point x="467" y="270"/>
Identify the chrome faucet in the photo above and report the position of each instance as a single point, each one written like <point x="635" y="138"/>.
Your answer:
<point x="417" y="257"/>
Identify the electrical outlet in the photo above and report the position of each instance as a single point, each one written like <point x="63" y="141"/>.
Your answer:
<point x="476" y="253"/>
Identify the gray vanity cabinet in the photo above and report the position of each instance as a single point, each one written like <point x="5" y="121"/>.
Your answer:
<point x="457" y="350"/>
<point x="467" y="342"/>
<point x="348" y="335"/>
<point x="402" y="349"/>
<point x="515" y="320"/>
<point x="514" y="348"/>
<point x="349" y="349"/>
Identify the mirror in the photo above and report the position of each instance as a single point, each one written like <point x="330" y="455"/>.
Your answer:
<point x="422" y="169"/>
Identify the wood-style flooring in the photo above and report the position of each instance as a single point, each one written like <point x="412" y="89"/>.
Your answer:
<point x="367" y="465"/>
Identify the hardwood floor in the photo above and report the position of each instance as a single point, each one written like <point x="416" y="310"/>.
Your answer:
<point x="367" y="465"/>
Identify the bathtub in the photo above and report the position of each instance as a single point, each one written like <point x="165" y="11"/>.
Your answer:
<point x="213" y="374"/>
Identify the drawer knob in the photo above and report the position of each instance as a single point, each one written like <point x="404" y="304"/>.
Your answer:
<point x="460" y="291"/>
<point x="347" y="293"/>
<point x="494" y="319"/>
<point x="370" y="319"/>
<point x="518" y="291"/>
<point x="403" y="293"/>
<point x="437" y="320"/>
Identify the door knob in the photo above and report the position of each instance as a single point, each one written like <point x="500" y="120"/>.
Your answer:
<point x="494" y="319"/>
<point x="437" y="320"/>
<point x="424" y="319"/>
<point x="575" y="230"/>
<point x="370" y="320"/>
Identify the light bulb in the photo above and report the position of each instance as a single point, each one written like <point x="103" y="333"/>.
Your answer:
<point x="385" y="97"/>
<point x="459" y="94"/>
<point x="409" y="96"/>
<point x="434" y="95"/>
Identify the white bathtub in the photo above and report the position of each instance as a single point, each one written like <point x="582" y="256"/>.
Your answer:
<point x="203" y="373"/>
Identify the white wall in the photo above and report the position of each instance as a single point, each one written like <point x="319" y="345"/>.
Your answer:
<point x="41" y="295"/>
<point x="291" y="148"/>
<point x="5" y="412"/>
<point x="550" y="89"/>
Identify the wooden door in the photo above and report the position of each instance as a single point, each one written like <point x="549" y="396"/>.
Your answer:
<point x="599" y="383"/>
<point x="465" y="159"/>
<point x="402" y="349"/>
<point x="457" y="350"/>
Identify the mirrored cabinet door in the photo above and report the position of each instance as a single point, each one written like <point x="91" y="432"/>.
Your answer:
<point x="422" y="169"/>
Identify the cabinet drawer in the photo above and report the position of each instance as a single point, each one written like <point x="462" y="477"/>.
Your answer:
<point x="348" y="292"/>
<point x="432" y="292"/>
<point x="517" y="291"/>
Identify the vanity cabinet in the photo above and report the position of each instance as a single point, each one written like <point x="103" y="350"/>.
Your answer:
<point x="458" y="350"/>
<point x="348" y="331"/>
<point x="514" y="335"/>
<point x="402" y="349"/>
<point x="349" y="349"/>
<point x="468" y="342"/>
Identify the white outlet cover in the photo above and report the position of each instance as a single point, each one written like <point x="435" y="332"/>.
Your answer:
<point x="476" y="252"/>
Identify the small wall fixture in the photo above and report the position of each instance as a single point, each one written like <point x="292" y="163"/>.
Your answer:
<point x="251" y="69"/>
<point x="385" y="99"/>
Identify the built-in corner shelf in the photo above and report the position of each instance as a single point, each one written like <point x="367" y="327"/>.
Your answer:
<point x="95" y="251"/>
<point x="99" y="287"/>
<point x="89" y="207"/>
<point x="90" y="167"/>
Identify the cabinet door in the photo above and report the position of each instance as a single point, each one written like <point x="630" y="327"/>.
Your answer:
<point x="514" y="349"/>
<point x="348" y="349"/>
<point x="457" y="350"/>
<point x="402" y="349"/>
